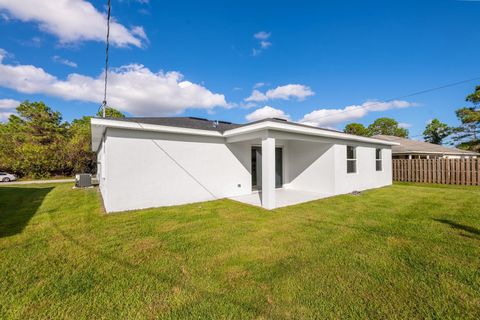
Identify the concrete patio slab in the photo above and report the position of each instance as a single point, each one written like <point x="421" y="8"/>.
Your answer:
<point x="283" y="197"/>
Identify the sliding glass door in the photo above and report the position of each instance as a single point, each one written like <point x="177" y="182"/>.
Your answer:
<point x="257" y="167"/>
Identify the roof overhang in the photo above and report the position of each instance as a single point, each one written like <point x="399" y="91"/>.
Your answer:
<point x="303" y="130"/>
<point x="99" y="126"/>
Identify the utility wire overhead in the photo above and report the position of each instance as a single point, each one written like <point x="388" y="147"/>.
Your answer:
<point x="405" y="96"/>
<point x="104" y="102"/>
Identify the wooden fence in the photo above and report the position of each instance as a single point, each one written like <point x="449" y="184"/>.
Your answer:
<point x="444" y="171"/>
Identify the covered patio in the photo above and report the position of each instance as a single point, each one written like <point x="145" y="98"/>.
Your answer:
<point x="287" y="168"/>
<point x="283" y="197"/>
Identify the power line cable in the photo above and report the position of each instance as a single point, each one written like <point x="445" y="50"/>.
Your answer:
<point x="104" y="103"/>
<point x="404" y="96"/>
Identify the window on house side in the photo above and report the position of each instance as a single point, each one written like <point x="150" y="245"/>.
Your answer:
<point x="351" y="159"/>
<point x="378" y="159"/>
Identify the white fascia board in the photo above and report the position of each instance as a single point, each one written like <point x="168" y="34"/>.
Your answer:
<point x="97" y="135"/>
<point x="99" y="125"/>
<point x="269" y="125"/>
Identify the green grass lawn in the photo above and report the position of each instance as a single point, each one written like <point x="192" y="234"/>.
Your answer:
<point x="405" y="251"/>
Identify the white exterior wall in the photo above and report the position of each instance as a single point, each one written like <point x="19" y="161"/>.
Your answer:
<point x="322" y="167"/>
<point x="309" y="166"/>
<point x="140" y="175"/>
<point x="135" y="173"/>
<point x="101" y="168"/>
<point x="366" y="176"/>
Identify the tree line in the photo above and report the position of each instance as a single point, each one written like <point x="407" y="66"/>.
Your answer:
<point x="465" y="136"/>
<point x="37" y="143"/>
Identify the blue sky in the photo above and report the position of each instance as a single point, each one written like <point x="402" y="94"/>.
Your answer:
<point x="308" y="60"/>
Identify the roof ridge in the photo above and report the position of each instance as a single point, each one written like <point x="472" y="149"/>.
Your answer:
<point x="415" y="146"/>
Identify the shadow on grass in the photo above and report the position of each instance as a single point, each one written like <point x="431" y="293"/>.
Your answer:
<point x="459" y="226"/>
<point x="17" y="207"/>
<point x="157" y="276"/>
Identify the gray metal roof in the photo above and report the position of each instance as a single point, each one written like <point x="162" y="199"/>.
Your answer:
<point x="408" y="146"/>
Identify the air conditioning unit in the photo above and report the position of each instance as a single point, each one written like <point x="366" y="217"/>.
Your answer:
<point x="83" y="180"/>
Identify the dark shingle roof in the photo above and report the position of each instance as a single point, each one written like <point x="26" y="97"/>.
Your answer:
<point x="205" y="124"/>
<point x="278" y="120"/>
<point x="412" y="146"/>
<point x="184" y="122"/>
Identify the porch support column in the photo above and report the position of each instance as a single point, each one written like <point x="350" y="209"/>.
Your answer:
<point x="268" y="172"/>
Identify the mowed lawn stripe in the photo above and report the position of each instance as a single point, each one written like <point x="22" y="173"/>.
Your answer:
<point x="405" y="251"/>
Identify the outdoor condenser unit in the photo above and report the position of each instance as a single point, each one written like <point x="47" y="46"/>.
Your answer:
<point x="83" y="180"/>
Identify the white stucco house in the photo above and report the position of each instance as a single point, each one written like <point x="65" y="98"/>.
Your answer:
<point x="152" y="162"/>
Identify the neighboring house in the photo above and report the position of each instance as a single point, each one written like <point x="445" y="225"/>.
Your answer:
<point x="412" y="149"/>
<point x="152" y="162"/>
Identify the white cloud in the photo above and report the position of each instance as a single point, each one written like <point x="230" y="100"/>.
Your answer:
<point x="139" y="32"/>
<point x="8" y="104"/>
<point x="35" y="42"/>
<point x="332" y="117"/>
<point x="286" y="92"/>
<point x="247" y="105"/>
<point x="5" y="55"/>
<point x="258" y="85"/>
<point x="132" y="88"/>
<point x="72" y="21"/>
<point x="256" y="96"/>
<point x="66" y="62"/>
<point x="266" y="112"/>
<point x="404" y="125"/>
<point x="4" y="116"/>
<point x="265" y="44"/>
<point x="7" y="108"/>
<point x="262" y="37"/>
<point x="298" y="91"/>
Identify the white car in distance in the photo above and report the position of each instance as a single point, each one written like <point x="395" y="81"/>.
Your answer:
<point x="7" y="177"/>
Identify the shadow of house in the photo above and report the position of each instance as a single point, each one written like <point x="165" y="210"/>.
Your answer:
<point x="471" y="230"/>
<point x="17" y="207"/>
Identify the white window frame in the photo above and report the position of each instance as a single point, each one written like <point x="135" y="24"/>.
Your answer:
<point x="354" y="159"/>
<point x="379" y="160"/>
